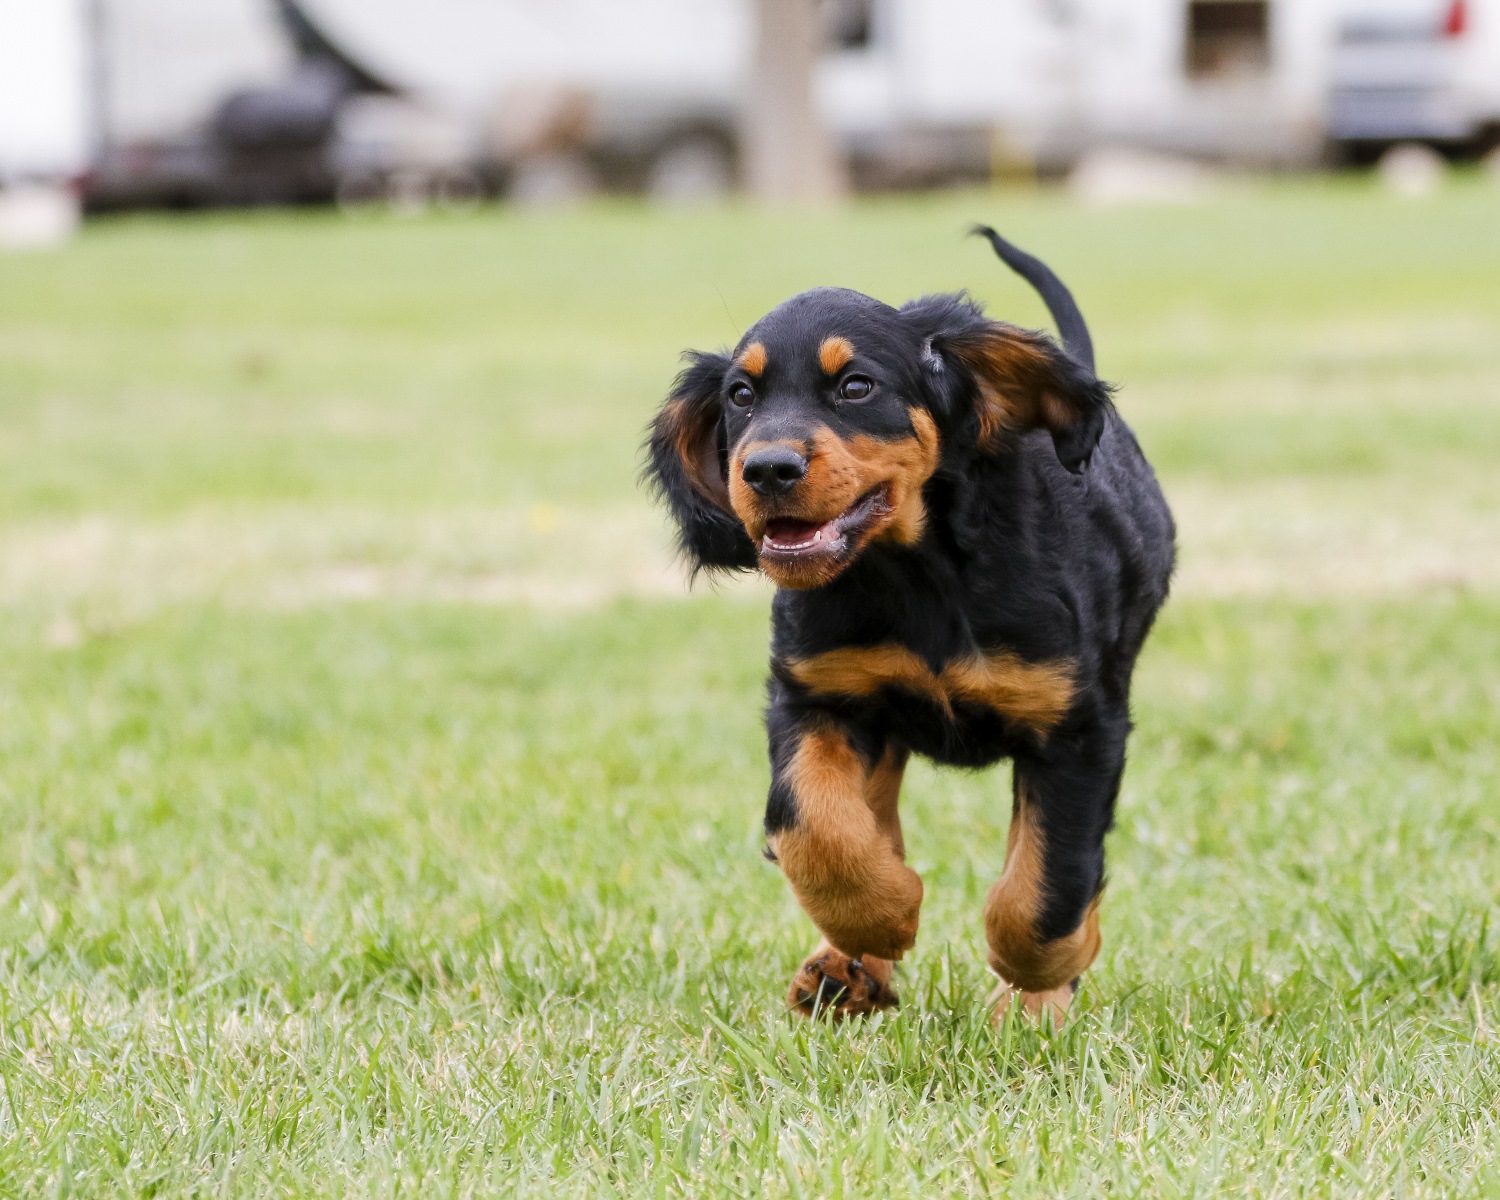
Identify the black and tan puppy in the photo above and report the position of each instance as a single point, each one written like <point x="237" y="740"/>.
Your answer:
<point x="970" y="549"/>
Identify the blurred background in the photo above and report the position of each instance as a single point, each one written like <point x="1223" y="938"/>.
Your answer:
<point x="188" y="103"/>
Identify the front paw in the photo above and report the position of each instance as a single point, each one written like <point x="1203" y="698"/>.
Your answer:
<point x="833" y="984"/>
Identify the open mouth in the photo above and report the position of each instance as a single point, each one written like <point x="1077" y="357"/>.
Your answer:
<point x="789" y="538"/>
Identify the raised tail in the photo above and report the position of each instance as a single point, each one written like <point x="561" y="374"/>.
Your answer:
<point x="1060" y="303"/>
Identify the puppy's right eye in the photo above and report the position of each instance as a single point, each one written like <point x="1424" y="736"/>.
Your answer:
<point x="741" y="394"/>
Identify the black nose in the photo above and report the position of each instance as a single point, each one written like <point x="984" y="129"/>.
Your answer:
<point x="773" y="470"/>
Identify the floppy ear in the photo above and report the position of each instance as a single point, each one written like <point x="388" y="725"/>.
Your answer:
<point x="998" y="379"/>
<point x="686" y="467"/>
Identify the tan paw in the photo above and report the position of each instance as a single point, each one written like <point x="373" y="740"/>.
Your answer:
<point x="1049" y="1008"/>
<point x="830" y="982"/>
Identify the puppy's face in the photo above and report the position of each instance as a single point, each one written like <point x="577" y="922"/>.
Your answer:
<point x="828" y="439"/>
<point x="815" y="438"/>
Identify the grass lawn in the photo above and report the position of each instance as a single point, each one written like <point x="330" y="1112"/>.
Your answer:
<point x="382" y="813"/>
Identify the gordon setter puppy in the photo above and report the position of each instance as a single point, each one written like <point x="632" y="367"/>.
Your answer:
<point x="969" y="549"/>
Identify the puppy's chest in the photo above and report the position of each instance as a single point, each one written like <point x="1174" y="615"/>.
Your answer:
<point x="1032" y="695"/>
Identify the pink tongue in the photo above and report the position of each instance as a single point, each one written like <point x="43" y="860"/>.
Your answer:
<point x="795" y="534"/>
<point x="784" y="529"/>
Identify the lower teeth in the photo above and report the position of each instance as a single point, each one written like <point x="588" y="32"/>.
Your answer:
<point x="817" y="537"/>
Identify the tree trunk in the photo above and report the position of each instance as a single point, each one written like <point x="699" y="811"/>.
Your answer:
<point x="789" y="156"/>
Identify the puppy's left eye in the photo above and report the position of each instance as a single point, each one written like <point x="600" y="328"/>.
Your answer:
<point x="856" y="388"/>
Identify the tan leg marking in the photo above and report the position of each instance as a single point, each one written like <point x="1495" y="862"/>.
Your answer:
<point x="1036" y="695"/>
<point x="883" y="794"/>
<point x="833" y="983"/>
<point x="842" y="858"/>
<point x="1011" y="912"/>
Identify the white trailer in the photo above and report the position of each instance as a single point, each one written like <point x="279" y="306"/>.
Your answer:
<point x="1228" y="78"/>
<point x="912" y="82"/>
<point x="43" y="90"/>
<point x="44" y="128"/>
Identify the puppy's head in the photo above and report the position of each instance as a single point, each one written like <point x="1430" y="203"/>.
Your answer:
<point x="816" y="438"/>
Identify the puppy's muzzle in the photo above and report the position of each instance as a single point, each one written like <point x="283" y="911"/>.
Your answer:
<point x="773" y="470"/>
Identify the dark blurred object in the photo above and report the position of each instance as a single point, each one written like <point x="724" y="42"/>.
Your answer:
<point x="297" y="114"/>
<point x="411" y="104"/>
<point x="1419" y="73"/>
<point x="848" y="24"/>
<point x="271" y="143"/>
<point x="1228" y="38"/>
<point x="266" y="144"/>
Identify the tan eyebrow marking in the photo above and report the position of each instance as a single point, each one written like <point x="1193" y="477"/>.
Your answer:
<point x="753" y="360"/>
<point x="834" y="354"/>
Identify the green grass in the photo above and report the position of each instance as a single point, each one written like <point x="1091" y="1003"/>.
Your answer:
<point x="330" y="868"/>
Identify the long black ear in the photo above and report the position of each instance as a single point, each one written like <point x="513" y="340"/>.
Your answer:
<point x="686" y="456"/>
<point x="997" y="380"/>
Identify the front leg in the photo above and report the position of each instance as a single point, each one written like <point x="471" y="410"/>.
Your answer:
<point x="832" y="825"/>
<point x="1042" y="918"/>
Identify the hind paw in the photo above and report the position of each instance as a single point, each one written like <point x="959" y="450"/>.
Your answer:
<point x="1047" y="1008"/>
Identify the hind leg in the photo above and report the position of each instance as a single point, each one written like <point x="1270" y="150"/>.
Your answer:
<point x="1041" y="919"/>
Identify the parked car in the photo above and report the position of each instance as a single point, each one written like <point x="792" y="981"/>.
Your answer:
<point x="1416" y="70"/>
